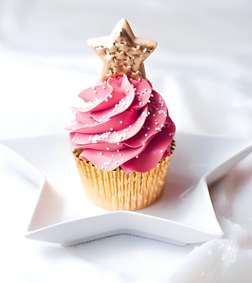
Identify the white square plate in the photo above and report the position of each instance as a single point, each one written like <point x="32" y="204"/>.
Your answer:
<point x="184" y="213"/>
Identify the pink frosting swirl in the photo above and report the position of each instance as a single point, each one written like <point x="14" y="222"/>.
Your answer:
<point x="123" y="122"/>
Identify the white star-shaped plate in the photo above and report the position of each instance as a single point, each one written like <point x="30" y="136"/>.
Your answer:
<point x="184" y="213"/>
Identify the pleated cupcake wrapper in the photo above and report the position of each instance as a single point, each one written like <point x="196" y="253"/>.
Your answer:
<point x="116" y="190"/>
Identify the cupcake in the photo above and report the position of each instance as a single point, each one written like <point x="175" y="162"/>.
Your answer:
<point x="122" y="135"/>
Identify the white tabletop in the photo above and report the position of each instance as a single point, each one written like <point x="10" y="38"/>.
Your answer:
<point x="202" y="67"/>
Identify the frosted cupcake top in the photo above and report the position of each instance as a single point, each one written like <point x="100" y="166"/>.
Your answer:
<point x="122" y="121"/>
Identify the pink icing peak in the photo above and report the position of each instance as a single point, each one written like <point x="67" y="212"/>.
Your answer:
<point x="122" y="122"/>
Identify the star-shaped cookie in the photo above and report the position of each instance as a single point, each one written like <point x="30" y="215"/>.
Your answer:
<point x="122" y="52"/>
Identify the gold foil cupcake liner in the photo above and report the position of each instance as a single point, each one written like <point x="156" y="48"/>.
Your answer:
<point x="116" y="190"/>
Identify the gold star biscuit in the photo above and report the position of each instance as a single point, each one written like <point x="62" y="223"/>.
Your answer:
<point x="122" y="52"/>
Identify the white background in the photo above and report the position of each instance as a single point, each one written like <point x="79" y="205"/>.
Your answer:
<point x="202" y="67"/>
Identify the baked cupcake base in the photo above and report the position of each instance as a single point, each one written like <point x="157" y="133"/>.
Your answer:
<point x="116" y="190"/>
